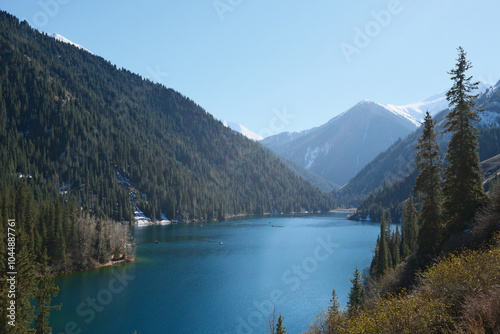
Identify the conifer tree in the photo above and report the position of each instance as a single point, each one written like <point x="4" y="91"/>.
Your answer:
<point x="334" y="314"/>
<point x="409" y="228"/>
<point x="280" y="328"/>
<point x="388" y="238"/>
<point x="25" y="285"/>
<point x="463" y="188"/>
<point x="357" y="294"/>
<point x="46" y="289"/>
<point x="380" y="261"/>
<point x="428" y="188"/>
<point x="395" y="247"/>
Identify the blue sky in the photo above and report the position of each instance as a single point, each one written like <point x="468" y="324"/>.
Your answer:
<point x="282" y="65"/>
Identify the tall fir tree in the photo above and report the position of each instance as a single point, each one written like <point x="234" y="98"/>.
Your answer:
<point x="46" y="289"/>
<point x="395" y="247"/>
<point x="388" y="238"/>
<point x="428" y="188"/>
<point x="409" y="228"/>
<point x="463" y="188"/>
<point x="334" y="314"/>
<point x="357" y="294"/>
<point x="380" y="261"/>
<point x="25" y="285"/>
<point x="280" y="328"/>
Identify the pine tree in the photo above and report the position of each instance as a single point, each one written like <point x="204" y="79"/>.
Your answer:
<point x="388" y="238"/>
<point x="357" y="294"/>
<point x="380" y="261"/>
<point x="26" y="285"/>
<point x="395" y="247"/>
<point x="280" y="328"/>
<point x="428" y="188"/>
<point x="409" y="228"/>
<point x="46" y="289"/>
<point x="334" y="314"/>
<point x="463" y="189"/>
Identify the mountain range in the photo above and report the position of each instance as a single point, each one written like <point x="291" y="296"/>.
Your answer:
<point x="388" y="179"/>
<point x="339" y="149"/>
<point x="78" y="126"/>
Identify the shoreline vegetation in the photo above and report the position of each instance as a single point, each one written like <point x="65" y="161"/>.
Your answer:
<point x="110" y="263"/>
<point x="240" y="216"/>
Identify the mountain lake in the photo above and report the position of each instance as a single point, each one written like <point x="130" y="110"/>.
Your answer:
<point x="223" y="277"/>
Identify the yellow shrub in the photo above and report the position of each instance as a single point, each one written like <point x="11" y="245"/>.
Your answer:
<point x="458" y="294"/>
<point x="403" y="314"/>
<point x="459" y="274"/>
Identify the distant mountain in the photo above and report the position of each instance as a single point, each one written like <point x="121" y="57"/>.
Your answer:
<point x="415" y="112"/>
<point x="393" y="172"/>
<point x="338" y="149"/>
<point x="243" y="130"/>
<point x="63" y="39"/>
<point x="77" y="126"/>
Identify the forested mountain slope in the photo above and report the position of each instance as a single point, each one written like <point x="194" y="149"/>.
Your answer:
<point x="71" y="122"/>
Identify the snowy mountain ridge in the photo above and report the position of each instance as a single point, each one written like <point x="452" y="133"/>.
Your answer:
<point x="243" y="130"/>
<point x="415" y="112"/>
<point x="63" y="39"/>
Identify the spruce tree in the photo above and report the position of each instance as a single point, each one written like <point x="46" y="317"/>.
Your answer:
<point x="334" y="307"/>
<point x="25" y="285"/>
<point x="280" y="328"/>
<point x="388" y="238"/>
<point x="46" y="289"/>
<point x="428" y="188"/>
<point x="463" y="189"/>
<point x="395" y="247"/>
<point x="334" y="315"/>
<point x="409" y="228"/>
<point x="357" y="294"/>
<point x="381" y="259"/>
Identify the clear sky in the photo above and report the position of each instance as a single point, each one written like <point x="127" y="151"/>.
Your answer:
<point x="282" y="65"/>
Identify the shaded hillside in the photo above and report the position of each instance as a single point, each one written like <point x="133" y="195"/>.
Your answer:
<point x="73" y="123"/>
<point x="337" y="150"/>
<point x="491" y="169"/>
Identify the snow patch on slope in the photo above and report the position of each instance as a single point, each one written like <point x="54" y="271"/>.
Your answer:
<point x="489" y="119"/>
<point x="415" y="112"/>
<point x="140" y="218"/>
<point x="312" y="154"/>
<point x="63" y="39"/>
<point x="243" y="130"/>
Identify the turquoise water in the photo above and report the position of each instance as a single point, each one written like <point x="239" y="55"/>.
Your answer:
<point x="190" y="283"/>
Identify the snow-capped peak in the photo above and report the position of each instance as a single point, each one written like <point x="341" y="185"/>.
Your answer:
<point x="415" y="112"/>
<point x="241" y="129"/>
<point x="63" y="39"/>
